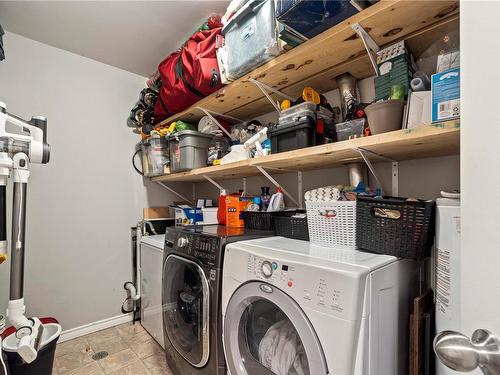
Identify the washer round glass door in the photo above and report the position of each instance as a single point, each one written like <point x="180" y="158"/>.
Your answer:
<point x="266" y="332"/>
<point x="186" y="308"/>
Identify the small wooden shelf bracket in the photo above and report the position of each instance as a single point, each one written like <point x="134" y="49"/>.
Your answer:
<point x="173" y="191"/>
<point x="394" y="169"/>
<point x="267" y="89"/>
<point x="369" y="44"/>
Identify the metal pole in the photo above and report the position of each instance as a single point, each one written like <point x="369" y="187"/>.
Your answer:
<point x="17" y="241"/>
<point x="3" y="219"/>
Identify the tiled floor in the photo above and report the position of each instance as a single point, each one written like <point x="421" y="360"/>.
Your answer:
<point x="131" y="351"/>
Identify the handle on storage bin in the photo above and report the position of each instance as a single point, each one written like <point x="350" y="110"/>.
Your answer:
<point x="329" y="214"/>
<point x="386" y="213"/>
<point x="250" y="6"/>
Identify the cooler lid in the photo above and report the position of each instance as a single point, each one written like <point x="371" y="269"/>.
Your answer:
<point x="157" y="241"/>
<point x="330" y="257"/>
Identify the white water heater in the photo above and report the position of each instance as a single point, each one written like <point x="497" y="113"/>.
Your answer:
<point x="447" y="271"/>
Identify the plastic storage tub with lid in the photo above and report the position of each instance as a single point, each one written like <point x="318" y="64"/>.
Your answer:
<point x="250" y="39"/>
<point x="188" y="150"/>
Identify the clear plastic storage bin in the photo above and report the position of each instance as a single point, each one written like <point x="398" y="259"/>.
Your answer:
<point x="250" y="39"/>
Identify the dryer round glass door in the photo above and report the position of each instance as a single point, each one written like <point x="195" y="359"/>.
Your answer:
<point x="266" y="332"/>
<point x="186" y="308"/>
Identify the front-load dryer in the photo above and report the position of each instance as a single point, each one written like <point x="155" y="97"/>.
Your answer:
<point x="293" y="308"/>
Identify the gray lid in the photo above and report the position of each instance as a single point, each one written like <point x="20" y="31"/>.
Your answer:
<point x="192" y="133"/>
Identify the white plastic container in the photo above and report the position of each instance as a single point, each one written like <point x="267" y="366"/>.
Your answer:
<point x="332" y="223"/>
<point x="209" y="215"/>
<point x="447" y="270"/>
<point x="250" y="39"/>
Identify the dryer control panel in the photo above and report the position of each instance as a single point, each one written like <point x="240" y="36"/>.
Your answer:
<point x="204" y="248"/>
<point x="319" y="289"/>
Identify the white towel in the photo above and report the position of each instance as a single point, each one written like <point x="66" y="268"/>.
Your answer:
<point x="323" y="194"/>
<point x="281" y="350"/>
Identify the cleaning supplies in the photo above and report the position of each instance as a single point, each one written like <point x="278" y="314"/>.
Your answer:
<point x="277" y="202"/>
<point x="235" y="204"/>
<point x="221" y="210"/>
<point x="265" y="197"/>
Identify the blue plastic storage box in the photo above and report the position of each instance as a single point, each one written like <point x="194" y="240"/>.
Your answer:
<point x="311" y="17"/>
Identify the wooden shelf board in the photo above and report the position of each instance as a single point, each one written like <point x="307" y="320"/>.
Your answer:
<point x="423" y="142"/>
<point x="333" y="52"/>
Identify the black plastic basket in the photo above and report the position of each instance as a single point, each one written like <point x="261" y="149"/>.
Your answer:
<point x="263" y="220"/>
<point x="395" y="226"/>
<point x="258" y="220"/>
<point x="292" y="227"/>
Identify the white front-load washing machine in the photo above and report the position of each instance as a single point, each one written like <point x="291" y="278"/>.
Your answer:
<point x="290" y="307"/>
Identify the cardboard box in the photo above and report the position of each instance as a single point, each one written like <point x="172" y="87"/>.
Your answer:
<point x="419" y="112"/>
<point x="445" y="89"/>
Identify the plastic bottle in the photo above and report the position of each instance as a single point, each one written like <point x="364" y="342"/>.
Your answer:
<point x="221" y="210"/>
<point x="277" y="202"/>
<point x="265" y="197"/>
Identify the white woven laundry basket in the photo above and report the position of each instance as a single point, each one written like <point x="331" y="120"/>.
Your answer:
<point x="332" y="223"/>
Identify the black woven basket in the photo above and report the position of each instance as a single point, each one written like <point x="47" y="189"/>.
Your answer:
<point x="263" y="220"/>
<point x="292" y="227"/>
<point x="395" y="226"/>
<point x="258" y="220"/>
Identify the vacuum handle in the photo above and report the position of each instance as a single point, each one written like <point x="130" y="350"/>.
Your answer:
<point x="3" y="213"/>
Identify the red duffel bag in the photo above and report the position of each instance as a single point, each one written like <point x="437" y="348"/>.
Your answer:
<point x="188" y="75"/>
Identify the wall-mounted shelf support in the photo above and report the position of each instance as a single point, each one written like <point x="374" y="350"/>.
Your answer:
<point x="211" y="113"/>
<point x="173" y="191"/>
<point x="266" y="89"/>
<point x="369" y="43"/>
<point x="394" y="171"/>
<point x="278" y="185"/>
<point x="213" y="182"/>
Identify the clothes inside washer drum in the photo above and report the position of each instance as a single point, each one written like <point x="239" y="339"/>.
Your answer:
<point x="281" y="350"/>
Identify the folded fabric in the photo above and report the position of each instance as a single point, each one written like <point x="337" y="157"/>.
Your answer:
<point x="323" y="194"/>
<point x="281" y="350"/>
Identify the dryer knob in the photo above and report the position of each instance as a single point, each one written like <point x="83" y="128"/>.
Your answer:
<point x="182" y="242"/>
<point x="267" y="269"/>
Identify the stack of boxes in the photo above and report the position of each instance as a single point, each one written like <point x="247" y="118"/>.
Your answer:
<point x="395" y="68"/>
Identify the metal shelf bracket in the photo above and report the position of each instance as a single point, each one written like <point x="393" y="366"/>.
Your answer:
<point x="213" y="182"/>
<point x="266" y="89"/>
<point x="211" y="114"/>
<point x="369" y="43"/>
<point x="278" y="185"/>
<point x="173" y="191"/>
<point x="394" y="169"/>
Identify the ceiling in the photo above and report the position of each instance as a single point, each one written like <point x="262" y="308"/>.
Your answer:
<point x="131" y="35"/>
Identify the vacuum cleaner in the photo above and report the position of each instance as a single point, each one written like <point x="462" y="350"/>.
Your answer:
<point x="21" y="143"/>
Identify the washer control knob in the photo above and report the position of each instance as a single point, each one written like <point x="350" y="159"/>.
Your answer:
<point x="182" y="242"/>
<point x="267" y="269"/>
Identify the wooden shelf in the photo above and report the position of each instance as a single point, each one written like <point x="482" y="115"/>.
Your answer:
<point x="338" y="50"/>
<point x="426" y="141"/>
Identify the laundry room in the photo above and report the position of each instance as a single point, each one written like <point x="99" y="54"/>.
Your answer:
<point x="249" y="187"/>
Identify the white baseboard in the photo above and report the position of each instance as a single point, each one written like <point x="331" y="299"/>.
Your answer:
<point x="86" y="329"/>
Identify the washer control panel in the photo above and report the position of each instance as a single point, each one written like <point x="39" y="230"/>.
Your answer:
<point x="317" y="288"/>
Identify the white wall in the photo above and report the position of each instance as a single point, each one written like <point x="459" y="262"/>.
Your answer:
<point x="423" y="178"/>
<point x="82" y="204"/>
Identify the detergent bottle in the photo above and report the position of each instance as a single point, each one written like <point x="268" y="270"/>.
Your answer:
<point x="221" y="210"/>
<point x="277" y="202"/>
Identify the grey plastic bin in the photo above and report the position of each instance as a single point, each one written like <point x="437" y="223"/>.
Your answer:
<point x="188" y="150"/>
<point x="251" y="38"/>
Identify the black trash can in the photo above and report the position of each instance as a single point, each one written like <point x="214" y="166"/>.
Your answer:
<point x="44" y="361"/>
